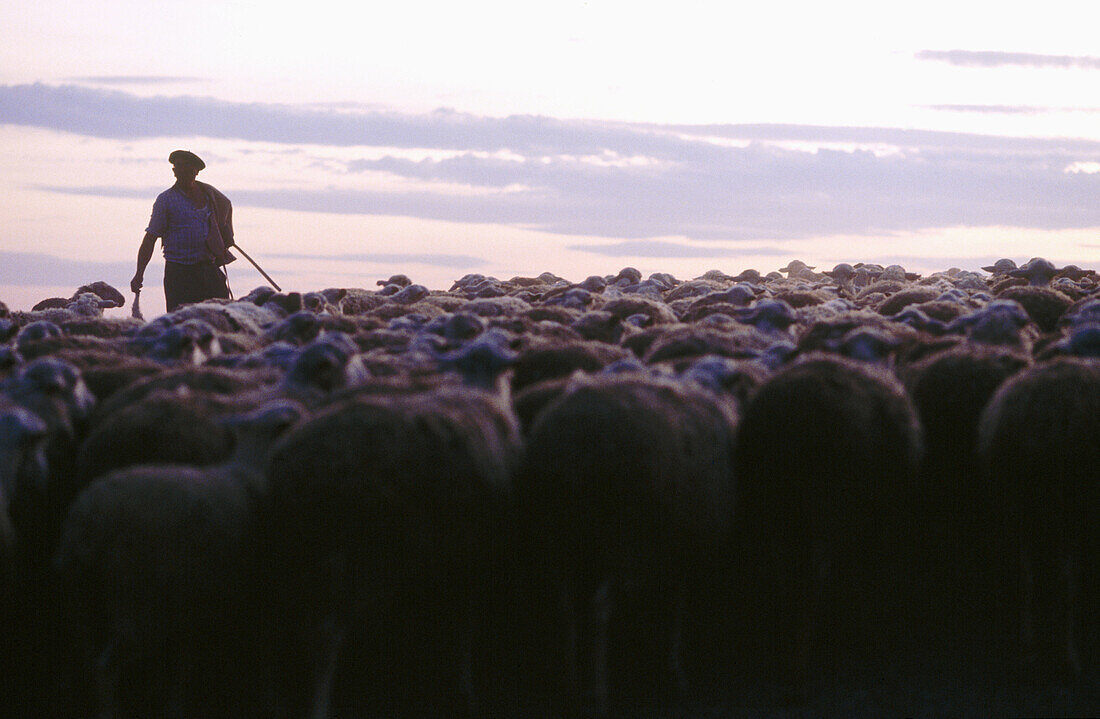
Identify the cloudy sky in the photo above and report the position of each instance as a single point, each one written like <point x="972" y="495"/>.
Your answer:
<point x="507" y="138"/>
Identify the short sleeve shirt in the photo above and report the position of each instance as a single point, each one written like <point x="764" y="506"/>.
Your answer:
<point x="181" y="226"/>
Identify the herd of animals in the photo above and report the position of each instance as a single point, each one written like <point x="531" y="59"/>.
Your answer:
<point x="535" y="497"/>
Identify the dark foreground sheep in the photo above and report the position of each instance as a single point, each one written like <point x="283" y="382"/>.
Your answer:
<point x="159" y="567"/>
<point x="22" y="468"/>
<point x="1040" y="445"/>
<point x="826" y="450"/>
<point x="959" y="547"/>
<point x="378" y="504"/>
<point x="625" y="486"/>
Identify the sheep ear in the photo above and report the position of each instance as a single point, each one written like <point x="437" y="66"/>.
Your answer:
<point x="578" y="379"/>
<point x="502" y="387"/>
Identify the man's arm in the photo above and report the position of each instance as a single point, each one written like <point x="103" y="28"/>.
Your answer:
<point x="223" y="210"/>
<point x="145" y="253"/>
<point x="227" y="229"/>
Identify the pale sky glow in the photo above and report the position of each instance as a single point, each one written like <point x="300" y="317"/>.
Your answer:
<point x="509" y="138"/>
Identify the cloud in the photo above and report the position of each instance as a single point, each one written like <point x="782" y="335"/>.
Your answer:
<point x="1009" y="109"/>
<point x="615" y="180"/>
<point x="997" y="109"/>
<point x="118" y="115"/>
<point x="902" y="138"/>
<point x="138" y="79"/>
<point x="437" y="260"/>
<point x="31" y="269"/>
<point x="664" y="249"/>
<point x="989" y="58"/>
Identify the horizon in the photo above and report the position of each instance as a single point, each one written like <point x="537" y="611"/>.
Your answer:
<point x="577" y="138"/>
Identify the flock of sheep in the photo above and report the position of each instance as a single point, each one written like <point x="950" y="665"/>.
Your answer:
<point x="535" y="497"/>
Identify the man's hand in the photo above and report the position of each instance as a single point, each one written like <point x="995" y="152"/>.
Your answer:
<point x="145" y="253"/>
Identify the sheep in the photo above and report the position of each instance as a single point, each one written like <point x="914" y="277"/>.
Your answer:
<point x="897" y="272"/>
<point x="385" y="501"/>
<point x="693" y="289"/>
<point x="959" y="546"/>
<point x="826" y="452"/>
<point x="409" y="295"/>
<point x="1079" y="341"/>
<point x="739" y="295"/>
<point x="528" y="402"/>
<point x="359" y="302"/>
<point x="772" y="317"/>
<point x="656" y="312"/>
<point x="298" y="328"/>
<point x="798" y="299"/>
<point x="208" y="380"/>
<point x="601" y="326"/>
<point x="799" y="269"/>
<point x="481" y="361"/>
<point x="826" y="334"/>
<point x="627" y="276"/>
<point x="22" y="466"/>
<point x="8" y="329"/>
<point x="1001" y="322"/>
<point x="542" y="360"/>
<point x="56" y="344"/>
<point x="1001" y="267"/>
<point x="690" y="342"/>
<point x="900" y="300"/>
<point x="110" y="328"/>
<point x="576" y="298"/>
<point x="10" y="361"/>
<point x="496" y="307"/>
<point x="159" y="567"/>
<point x="104" y="291"/>
<point x="561" y="315"/>
<point x="178" y="427"/>
<point x="55" y="391"/>
<point x="1075" y="273"/>
<point x="105" y="371"/>
<point x="749" y="275"/>
<point x="879" y="287"/>
<point x="715" y="276"/>
<point x="36" y="330"/>
<point x="329" y="363"/>
<point x="736" y="378"/>
<point x="191" y="341"/>
<point x="89" y="304"/>
<point x="393" y="310"/>
<point x="841" y="274"/>
<point x="317" y="303"/>
<point x="939" y="309"/>
<point x="1084" y="311"/>
<point x="696" y="313"/>
<point x="289" y="302"/>
<point x="1044" y="305"/>
<point x="50" y="303"/>
<point x="1037" y="271"/>
<point x="1039" y="437"/>
<point x="239" y="316"/>
<point x="625" y="484"/>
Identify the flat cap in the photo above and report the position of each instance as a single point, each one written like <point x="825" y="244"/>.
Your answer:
<point x="186" y="156"/>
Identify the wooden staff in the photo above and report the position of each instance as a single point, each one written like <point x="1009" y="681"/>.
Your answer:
<point x="258" y="268"/>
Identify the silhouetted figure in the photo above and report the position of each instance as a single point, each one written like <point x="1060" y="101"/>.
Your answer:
<point x="195" y="223"/>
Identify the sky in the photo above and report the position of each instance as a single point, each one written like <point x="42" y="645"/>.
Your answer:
<point x="503" y="138"/>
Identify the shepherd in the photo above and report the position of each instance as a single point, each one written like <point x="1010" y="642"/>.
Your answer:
<point x="194" y="220"/>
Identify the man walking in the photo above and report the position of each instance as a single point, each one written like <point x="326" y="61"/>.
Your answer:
<point x="195" y="223"/>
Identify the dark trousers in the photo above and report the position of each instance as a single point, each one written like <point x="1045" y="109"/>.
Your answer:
<point x="184" y="284"/>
